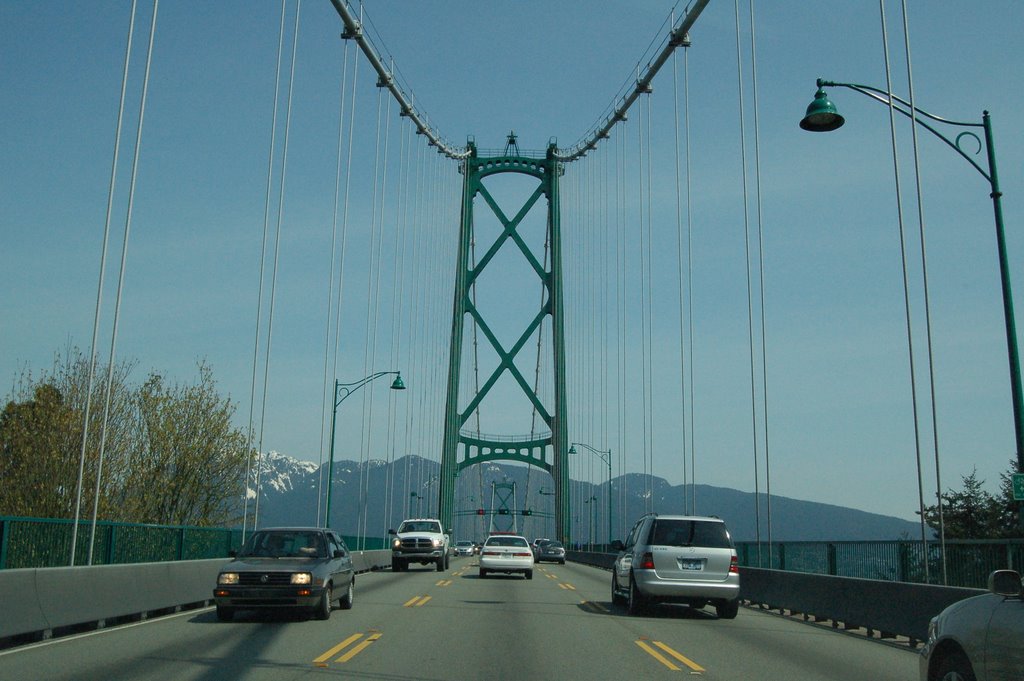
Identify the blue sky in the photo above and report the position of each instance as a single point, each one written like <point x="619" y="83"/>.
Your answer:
<point x="840" y="426"/>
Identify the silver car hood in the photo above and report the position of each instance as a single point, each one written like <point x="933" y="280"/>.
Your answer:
<point x="256" y="564"/>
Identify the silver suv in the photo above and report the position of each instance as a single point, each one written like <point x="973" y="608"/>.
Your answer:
<point x="677" y="559"/>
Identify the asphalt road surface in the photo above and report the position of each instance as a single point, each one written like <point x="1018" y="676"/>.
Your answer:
<point x="424" y="624"/>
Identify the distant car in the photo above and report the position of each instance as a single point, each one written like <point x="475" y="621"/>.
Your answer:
<point x="464" y="548"/>
<point x="980" y="638"/>
<point x="506" y="553"/>
<point x="287" y="567"/>
<point x="552" y="551"/>
<point x="677" y="559"/>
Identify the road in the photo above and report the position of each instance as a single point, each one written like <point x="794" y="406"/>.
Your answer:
<point x="423" y="624"/>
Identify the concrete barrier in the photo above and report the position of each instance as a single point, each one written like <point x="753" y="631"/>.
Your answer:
<point x="44" y="599"/>
<point x="890" y="608"/>
<point x="39" y="600"/>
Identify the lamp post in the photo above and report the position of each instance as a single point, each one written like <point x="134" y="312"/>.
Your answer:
<point x="341" y="393"/>
<point x="418" y="498"/>
<point x="822" y="117"/>
<point x="606" y="456"/>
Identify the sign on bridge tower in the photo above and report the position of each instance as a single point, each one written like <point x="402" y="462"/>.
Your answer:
<point x="462" y="446"/>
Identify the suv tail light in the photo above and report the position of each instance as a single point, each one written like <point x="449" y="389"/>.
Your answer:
<point x="647" y="562"/>
<point x="734" y="565"/>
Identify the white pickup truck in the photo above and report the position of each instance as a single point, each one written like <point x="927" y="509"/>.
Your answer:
<point x="420" y="540"/>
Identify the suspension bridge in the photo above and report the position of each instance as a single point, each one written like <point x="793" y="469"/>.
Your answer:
<point x="644" y="269"/>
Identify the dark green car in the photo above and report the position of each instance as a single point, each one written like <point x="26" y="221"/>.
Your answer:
<point x="287" y="567"/>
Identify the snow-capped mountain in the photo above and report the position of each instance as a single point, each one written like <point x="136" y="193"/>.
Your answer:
<point x="370" y="497"/>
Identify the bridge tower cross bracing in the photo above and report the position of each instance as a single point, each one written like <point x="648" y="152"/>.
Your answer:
<point x="546" y="451"/>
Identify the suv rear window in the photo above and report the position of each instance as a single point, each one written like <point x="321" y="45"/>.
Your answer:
<point x="667" y="532"/>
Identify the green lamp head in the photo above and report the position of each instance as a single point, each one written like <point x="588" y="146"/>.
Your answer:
<point x="821" y="114"/>
<point x="572" y="449"/>
<point x="397" y="383"/>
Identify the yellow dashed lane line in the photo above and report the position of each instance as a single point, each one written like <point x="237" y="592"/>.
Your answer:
<point x="665" y="661"/>
<point x="322" y="660"/>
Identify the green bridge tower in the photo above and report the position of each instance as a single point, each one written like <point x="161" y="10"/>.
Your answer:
<point x="462" y="448"/>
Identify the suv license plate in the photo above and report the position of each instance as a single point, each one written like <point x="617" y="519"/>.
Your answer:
<point x="685" y="564"/>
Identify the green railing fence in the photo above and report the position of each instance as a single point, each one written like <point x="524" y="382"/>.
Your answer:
<point x="46" y="542"/>
<point x="968" y="562"/>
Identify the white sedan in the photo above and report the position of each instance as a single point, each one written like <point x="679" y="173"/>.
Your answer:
<point x="506" y="553"/>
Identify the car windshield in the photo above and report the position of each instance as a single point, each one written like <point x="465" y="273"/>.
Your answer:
<point x="507" y="541"/>
<point x="285" y="544"/>
<point x="552" y="545"/>
<point x="419" y="526"/>
<point x="464" y="543"/>
<point x="677" y="532"/>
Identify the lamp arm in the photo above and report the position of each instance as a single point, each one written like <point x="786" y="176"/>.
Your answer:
<point x="883" y="97"/>
<point x="346" y="389"/>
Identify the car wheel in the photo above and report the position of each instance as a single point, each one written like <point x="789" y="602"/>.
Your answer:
<point x="347" y="599"/>
<point x="727" y="610"/>
<point x="617" y="598"/>
<point x="225" y="614"/>
<point x="529" y="574"/>
<point x="635" y="605"/>
<point x="396" y="565"/>
<point x="955" y="667"/>
<point x="447" y="561"/>
<point x="483" y="573"/>
<point x="440" y="564"/>
<point x="323" y="609"/>
<point x="561" y="562"/>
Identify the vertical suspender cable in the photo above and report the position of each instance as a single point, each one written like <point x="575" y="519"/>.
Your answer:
<point x="643" y="308"/>
<point x="120" y="281"/>
<point x="344" y="227"/>
<point x="397" y="318"/>
<point x="906" y="286"/>
<point x="99" y="287"/>
<point x="370" y="352"/>
<point x="927" y="303"/>
<point x="689" y="275"/>
<point x="760" y="275"/>
<point x="277" y="250"/>
<point x="679" y="274"/>
<point x="649" y="289"/>
<point x="750" y="314"/>
<point x="259" y="299"/>
<point x="330" y="370"/>
<point x="621" y="294"/>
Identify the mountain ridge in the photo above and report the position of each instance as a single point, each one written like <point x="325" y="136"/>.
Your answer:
<point x="290" y="490"/>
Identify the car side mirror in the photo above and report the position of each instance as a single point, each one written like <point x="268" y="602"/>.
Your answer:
<point x="1005" y="583"/>
<point x="392" y="532"/>
<point x="232" y="553"/>
<point x="338" y="553"/>
<point x="617" y="546"/>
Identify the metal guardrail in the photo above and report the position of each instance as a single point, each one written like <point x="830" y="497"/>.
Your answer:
<point x="46" y="542"/>
<point x="889" y="608"/>
<point x="968" y="562"/>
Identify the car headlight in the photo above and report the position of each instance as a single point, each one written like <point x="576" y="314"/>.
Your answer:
<point x="227" y="578"/>
<point x="302" y="578"/>
<point x="396" y="543"/>
<point x="436" y="542"/>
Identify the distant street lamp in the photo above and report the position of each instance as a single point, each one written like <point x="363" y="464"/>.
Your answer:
<point x="606" y="456"/>
<point x="341" y="393"/>
<point x="823" y="117"/>
<point x="590" y="535"/>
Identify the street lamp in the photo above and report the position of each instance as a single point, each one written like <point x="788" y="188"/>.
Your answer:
<point x="606" y="456"/>
<point x="341" y="393"/>
<point x="822" y="116"/>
